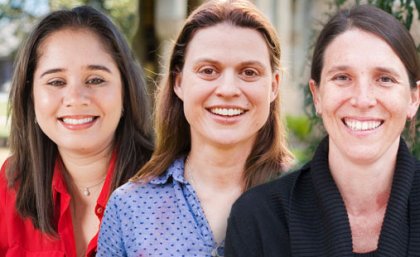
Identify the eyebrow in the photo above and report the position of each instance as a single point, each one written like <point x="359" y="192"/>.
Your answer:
<point x="337" y="68"/>
<point x="381" y="69"/>
<point x="50" y="71"/>
<point x="99" y="67"/>
<point x="218" y="62"/>
<point x="254" y="63"/>
<point x="388" y="70"/>
<point x="90" y="67"/>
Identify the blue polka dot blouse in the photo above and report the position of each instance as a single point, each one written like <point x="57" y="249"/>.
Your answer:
<point x="161" y="218"/>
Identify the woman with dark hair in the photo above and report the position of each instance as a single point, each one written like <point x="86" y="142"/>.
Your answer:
<point x="80" y="127"/>
<point x="218" y="134"/>
<point x="360" y="194"/>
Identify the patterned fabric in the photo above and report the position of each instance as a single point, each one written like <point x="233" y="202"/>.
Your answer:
<point x="160" y="218"/>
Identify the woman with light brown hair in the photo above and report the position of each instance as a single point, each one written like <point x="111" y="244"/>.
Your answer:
<point x="219" y="133"/>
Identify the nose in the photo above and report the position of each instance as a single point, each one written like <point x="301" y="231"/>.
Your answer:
<point x="364" y="96"/>
<point x="76" y="94"/>
<point x="228" y="85"/>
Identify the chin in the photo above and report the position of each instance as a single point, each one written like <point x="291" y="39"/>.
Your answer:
<point x="365" y="156"/>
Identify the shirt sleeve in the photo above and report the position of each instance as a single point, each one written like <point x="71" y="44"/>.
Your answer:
<point x="110" y="241"/>
<point x="3" y="223"/>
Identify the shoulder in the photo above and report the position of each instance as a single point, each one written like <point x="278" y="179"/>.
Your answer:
<point x="259" y="219"/>
<point x="135" y="190"/>
<point x="416" y="171"/>
<point x="4" y="184"/>
<point x="272" y="196"/>
<point x="142" y="196"/>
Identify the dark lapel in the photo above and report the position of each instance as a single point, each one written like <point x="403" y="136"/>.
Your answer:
<point x="331" y="234"/>
<point x="334" y="219"/>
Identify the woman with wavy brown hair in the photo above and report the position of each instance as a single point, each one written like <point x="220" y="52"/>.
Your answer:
<point x="219" y="133"/>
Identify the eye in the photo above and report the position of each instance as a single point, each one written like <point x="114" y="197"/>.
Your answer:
<point x="386" y="80"/>
<point x="95" y="81"/>
<point x="56" y="83"/>
<point x="250" y="72"/>
<point x="208" y="72"/>
<point x="341" y="77"/>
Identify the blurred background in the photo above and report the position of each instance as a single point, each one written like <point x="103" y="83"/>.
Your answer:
<point x="151" y="25"/>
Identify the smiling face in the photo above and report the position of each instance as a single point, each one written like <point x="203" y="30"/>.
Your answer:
<point x="77" y="91"/>
<point x="226" y="85"/>
<point x="364" y="96"/>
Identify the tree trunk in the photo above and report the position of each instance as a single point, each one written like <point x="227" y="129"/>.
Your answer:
<point x="145" y="41"/>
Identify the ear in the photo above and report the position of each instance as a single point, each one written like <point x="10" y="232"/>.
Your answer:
<point x="415" y="101"/>
<point x="315" y="96"/>
<point x="275" y="86"/>
<point x="178" y="89"/>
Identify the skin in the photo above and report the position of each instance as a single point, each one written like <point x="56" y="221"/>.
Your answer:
<point x="230" y="75"/>
<point x="364" y="84"/>
<point x="76" y="88"/>
<point x="226" y="85"/>
<point x="364" y="98"/>
<point x="77" y="92"/>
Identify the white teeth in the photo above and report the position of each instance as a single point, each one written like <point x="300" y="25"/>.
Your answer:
<point x="227" y="111"/>
<point x="362" y="125"/>
<point x="77" y="121"/>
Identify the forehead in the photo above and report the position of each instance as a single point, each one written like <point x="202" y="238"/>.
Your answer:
<point x="73" y="46"/>
<point x="224" y="41"/>
<point x="360" y="48"/>
<point x="70" y="37"/>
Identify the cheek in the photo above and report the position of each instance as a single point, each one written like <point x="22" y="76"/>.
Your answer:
<point x="263" y="102"/>
<point x="189" y="109"/>
<point x="111" y="105"/>
<point x="111" y="98"/>
<point x="44" y="102"/>
<point x="331" y="100"/>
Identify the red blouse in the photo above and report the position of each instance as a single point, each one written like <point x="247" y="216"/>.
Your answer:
<point x="18" y="236"/>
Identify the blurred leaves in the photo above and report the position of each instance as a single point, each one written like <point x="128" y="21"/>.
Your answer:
<point x="23" y="14"/>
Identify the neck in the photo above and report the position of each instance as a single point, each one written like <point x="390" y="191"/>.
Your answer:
<point x="86" y="170"/>
<point x="221" y="169"/>
<point x="364" y="187"/>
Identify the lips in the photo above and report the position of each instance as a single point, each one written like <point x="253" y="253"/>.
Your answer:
<point x="227" y="112"/>
<point x="365" y="125"/>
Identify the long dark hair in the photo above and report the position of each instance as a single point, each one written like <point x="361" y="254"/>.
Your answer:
<point x="269" y="155"/>
<point x="31" y="166"/>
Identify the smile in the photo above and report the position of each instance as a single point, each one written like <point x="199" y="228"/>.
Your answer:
<point x="74" y="121"/>
<point x="358" y="125"/>
<point x="229" y="112"/>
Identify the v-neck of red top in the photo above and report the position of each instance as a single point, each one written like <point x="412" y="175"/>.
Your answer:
<point x="20" y="238"/>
